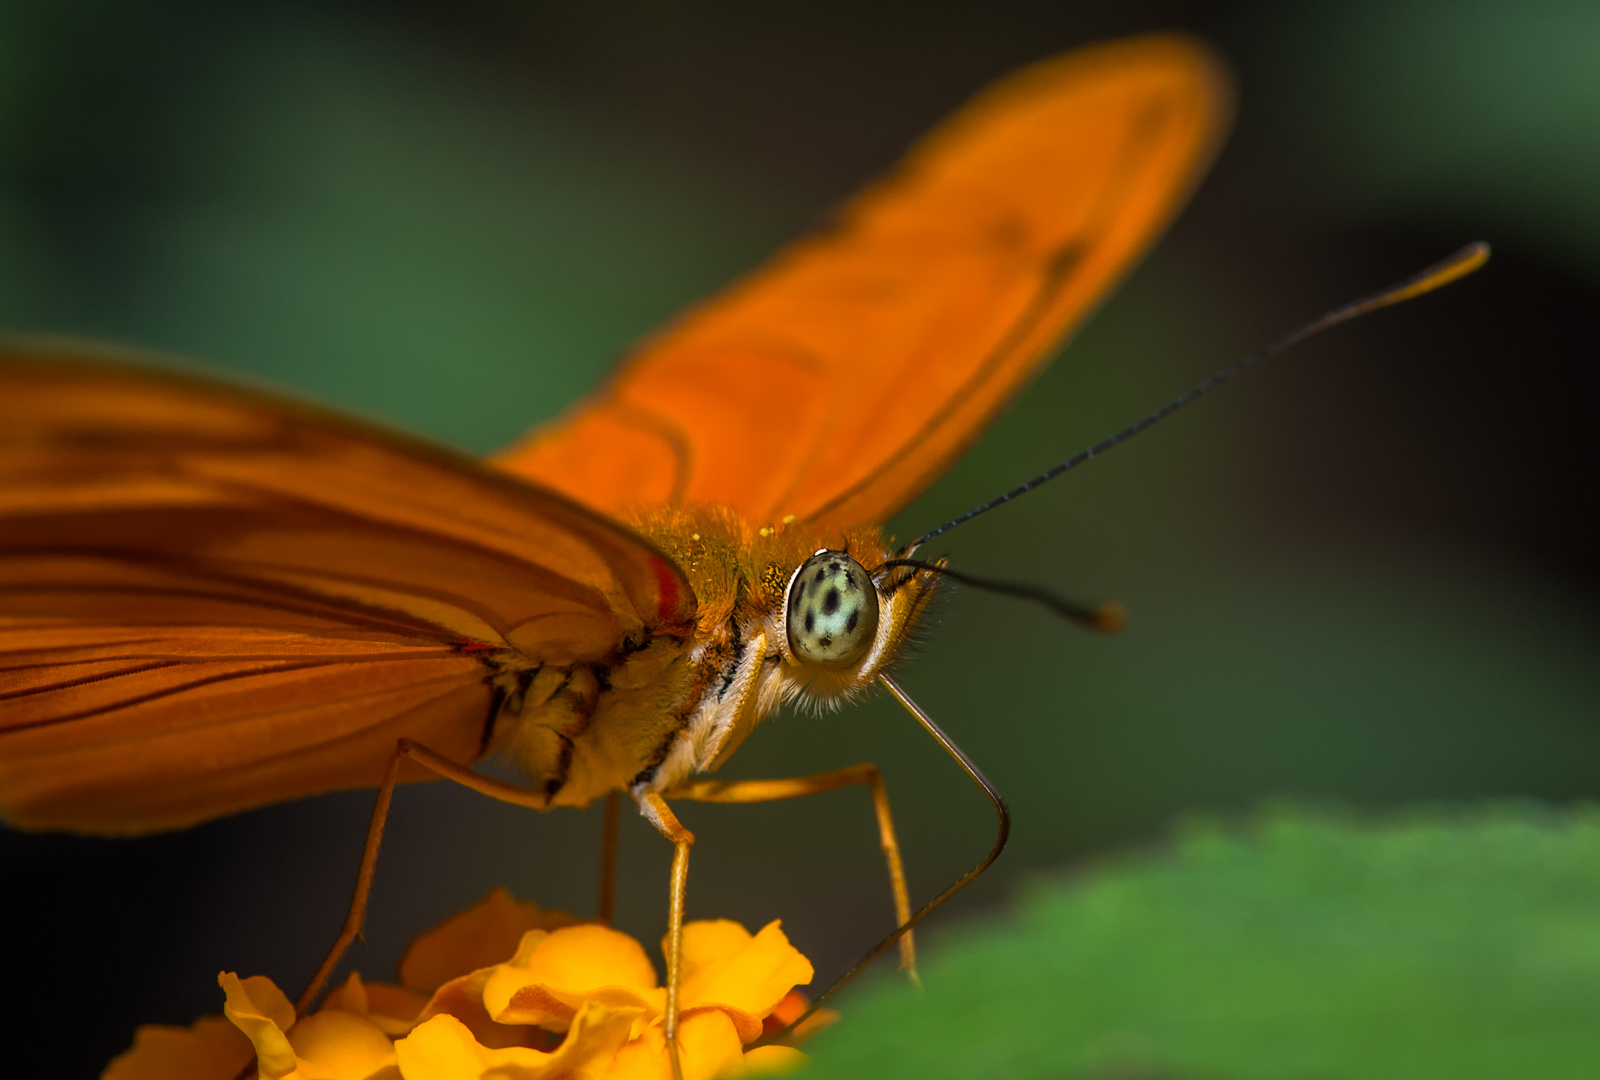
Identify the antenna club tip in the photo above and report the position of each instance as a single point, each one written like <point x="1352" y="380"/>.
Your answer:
<point x="1457" y="266"/>
<point x="1473" y="256"/>
<point x="1110" y="618"/>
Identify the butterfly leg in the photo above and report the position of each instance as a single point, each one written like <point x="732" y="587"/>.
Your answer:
<point x="753" y="791"/>
<point x="444" y="767"/>
<point x="358" y="902"/>
<point x="656" y="811"/>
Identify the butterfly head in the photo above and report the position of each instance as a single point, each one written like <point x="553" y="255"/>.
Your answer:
<point x="831" y="610"/>
<point x="842" y="623"/>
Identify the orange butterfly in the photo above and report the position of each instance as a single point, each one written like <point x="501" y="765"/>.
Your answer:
<point x="211" y="599"/>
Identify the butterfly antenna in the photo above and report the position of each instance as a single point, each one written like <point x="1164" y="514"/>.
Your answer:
<point x="1440" y="274"/>
<point x="1106" y="618"/>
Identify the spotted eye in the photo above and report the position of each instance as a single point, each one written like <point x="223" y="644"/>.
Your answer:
<point x="833" y="610"/>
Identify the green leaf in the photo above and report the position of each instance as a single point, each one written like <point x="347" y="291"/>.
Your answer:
<point x="1449" y="945"/>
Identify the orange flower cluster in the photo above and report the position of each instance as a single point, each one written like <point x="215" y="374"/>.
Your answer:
<point x="575" y="1000"/>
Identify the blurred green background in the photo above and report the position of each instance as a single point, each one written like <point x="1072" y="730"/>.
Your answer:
<point x="1368" y="575"/>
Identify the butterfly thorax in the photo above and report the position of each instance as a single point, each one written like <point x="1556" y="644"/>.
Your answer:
<point x="681" y="700"/>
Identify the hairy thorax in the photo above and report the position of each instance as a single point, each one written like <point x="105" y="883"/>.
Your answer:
<point x="680" y="700"/>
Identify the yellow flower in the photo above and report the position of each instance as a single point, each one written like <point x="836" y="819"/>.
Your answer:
<point x="442" y="1048"/>
<point x="483" y="935"/>
<point x="574" y="1000"/>
<point x="330" y="1045"/>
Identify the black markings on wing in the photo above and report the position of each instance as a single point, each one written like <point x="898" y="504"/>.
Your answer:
<point x="135" y="668"/>
<point x="250" y="592"/>
<point x="261" y="582"/>
<point x="240" y="588"/>
<point x="256" y="671"/>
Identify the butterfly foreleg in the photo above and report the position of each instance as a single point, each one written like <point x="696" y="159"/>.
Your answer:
<point x="442" y="766"/>
<point x="754" y="791"/>
<point x="657" y="812"/>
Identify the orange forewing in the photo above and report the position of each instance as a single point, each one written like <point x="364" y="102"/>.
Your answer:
<point x="839" y="381"/>
<point x="212" y="599"/>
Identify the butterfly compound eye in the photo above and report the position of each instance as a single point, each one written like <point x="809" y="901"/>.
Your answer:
<point x="833" y="610"/>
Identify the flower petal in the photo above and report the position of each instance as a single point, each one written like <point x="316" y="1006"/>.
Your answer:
<point x="442" y="1048"/>
<point x="209" y="1049"/>
<point x="708" y="1046"/>
<point x="393" y="1008"/>
<point x="554" y="974"/>
<point x="479" y="937"/>
<point x="336" y="1045"/>
<point x="766" y="1061"/>
<point x="462" y="998"/>
<point x="349" y="996"/>
<point x="747" y="975"/>
<point x="707" y="941"/>
<point x="591" y="1045"/>
<point x="259" y="1009"/>
<point x="591" y="955"/>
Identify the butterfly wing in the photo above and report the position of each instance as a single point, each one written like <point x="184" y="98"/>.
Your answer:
<point x="840" y="380"/>
<point x="211" y="599"/>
